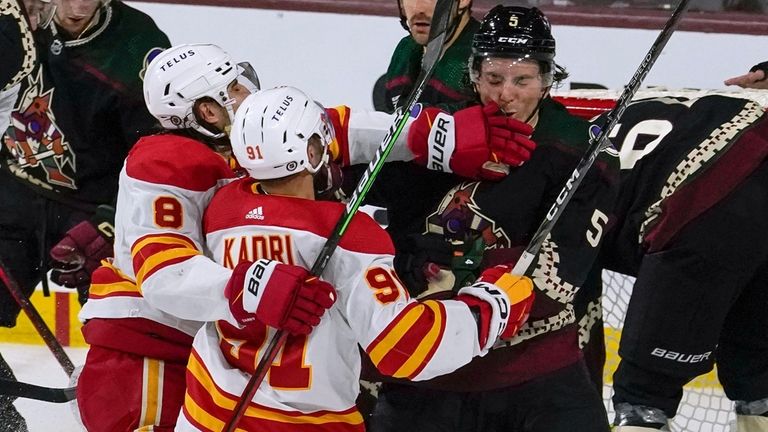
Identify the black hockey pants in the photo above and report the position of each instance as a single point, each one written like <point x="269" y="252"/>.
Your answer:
<point x="702" y="300"/>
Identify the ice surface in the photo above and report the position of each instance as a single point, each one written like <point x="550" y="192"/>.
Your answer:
<point x="35" y="364"/>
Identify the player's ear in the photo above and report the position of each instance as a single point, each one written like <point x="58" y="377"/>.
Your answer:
<point x="314" y="150"/>
<point x="208" y="112"/>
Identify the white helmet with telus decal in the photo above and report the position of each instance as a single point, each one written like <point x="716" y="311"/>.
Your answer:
<point x="272" y="130"/>
<point x="177" y="77"/>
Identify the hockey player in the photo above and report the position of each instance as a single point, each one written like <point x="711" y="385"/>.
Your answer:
<point x="78" y="113"/>
<point x="133" y="377"/>
<point x="693" y="200"/>
<point x="449" y="83"/>
<point x="408" y="189"/>
<point x="537" y="382"/>
<point x="138" y="350"/>
<point x="269" y="228"/>
<point x="18" y="19"/>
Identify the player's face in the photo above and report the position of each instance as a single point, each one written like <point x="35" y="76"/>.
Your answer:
<point x="418" y="14"/>
<point x="74" y="16"/>
<point x="238" y="92"/>
<point x="217" y="115"/>
<point x="517" y="86"/>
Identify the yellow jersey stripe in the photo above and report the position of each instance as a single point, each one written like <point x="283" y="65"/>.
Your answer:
<point x="395" y="334"/>
<point x="227" y="402"/>
<point x="426" y="345"/>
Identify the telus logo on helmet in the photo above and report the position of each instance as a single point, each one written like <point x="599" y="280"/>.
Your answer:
<point x="283" y="106"/>
<point x="177" y="59"/>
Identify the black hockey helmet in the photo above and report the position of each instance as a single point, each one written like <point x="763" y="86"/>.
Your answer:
<point x="516" y="32"/>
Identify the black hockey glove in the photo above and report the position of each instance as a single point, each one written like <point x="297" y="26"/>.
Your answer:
<point x="421" y="256"/>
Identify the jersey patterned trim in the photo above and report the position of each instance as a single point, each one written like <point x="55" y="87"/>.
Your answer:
<point x="708" y="173"/>
<point x="408" y="343"/>
<point x="208" y="407"/>
<point x="109" y="281"/>
<point x="154" y="252"/>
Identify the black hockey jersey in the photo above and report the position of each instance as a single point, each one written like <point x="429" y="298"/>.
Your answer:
<point x="82" y="107"/>
<point x="16" y="44"/>
<point x="679" y="157"/>
<point x="504" y="216"/>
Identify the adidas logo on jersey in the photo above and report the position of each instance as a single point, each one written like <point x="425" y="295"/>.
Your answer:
<point x="257" y="213"/>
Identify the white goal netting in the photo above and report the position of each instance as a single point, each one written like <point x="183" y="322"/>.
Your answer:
<point x="704" y="407"/>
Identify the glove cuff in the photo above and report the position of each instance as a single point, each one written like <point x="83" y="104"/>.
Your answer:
<point x="432" y="139"/>
<point x="498" y="300"/>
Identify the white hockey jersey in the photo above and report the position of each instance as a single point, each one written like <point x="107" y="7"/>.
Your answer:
<point x="165" y="185"/>
<point x="313" y="384"/>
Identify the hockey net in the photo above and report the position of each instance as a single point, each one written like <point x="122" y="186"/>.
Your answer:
<point x="704" y="407"/>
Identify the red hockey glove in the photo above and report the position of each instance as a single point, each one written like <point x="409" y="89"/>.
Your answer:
<point x="279" y="295"/>
<point x="79" y="253"/>
<point x="501" y="301"/>
<point x="476" y="142"/>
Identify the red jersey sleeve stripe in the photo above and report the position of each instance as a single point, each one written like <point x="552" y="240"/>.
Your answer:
<point x="154" y="252"/>
<point x="108" y="281"/>
<point x="404" y="348"/>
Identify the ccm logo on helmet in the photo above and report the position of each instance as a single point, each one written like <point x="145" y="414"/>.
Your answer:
<point x="169" y="64"/>
<point x="283" y="106"/>
<point x="513" y="40"/>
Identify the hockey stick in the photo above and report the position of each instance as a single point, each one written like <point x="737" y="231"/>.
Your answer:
<point x="599" y="142"/>
<point x="37" y="321"/>
<point x="445" y="12"/>
<point x="31" y="391"/>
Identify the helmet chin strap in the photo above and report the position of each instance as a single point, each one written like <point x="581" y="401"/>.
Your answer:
<point x="538" y="105"/>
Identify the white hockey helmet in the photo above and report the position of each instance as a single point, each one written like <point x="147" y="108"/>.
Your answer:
<point x="272" y="129"/>
<point x="180" y="75"/>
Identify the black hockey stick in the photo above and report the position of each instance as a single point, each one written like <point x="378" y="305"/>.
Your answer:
<point x="445" y="13"/>
<point x="31" y="391"/>
<point x="37" y="321"/>
<point x="599" y="142"/>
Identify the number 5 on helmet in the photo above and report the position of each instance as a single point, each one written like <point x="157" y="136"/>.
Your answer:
<point x="500" y="301"/>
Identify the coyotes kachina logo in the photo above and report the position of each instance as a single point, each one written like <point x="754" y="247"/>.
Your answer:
<point x="458" y="218"/>
<point x="41" y="152"/>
